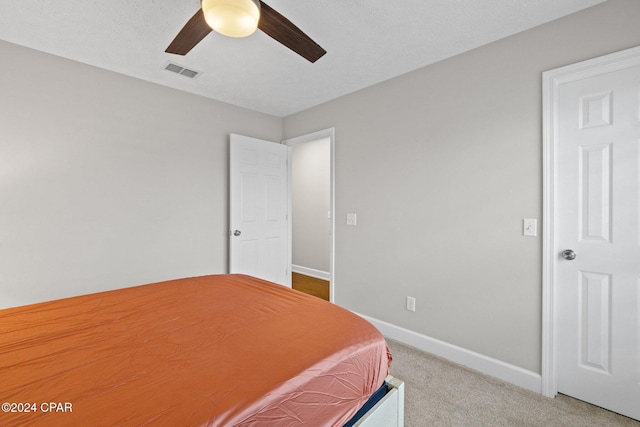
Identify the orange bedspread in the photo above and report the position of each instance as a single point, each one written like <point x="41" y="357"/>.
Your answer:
<point x="208" y="351"/>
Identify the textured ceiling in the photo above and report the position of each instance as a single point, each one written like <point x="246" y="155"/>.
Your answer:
<point x="367" y="42"/>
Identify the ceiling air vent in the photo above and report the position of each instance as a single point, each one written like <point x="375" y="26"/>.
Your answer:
<point x="178" y="69"/>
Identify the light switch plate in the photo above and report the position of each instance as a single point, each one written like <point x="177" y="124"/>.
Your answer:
<point x="529" y="227"/>
<point x="351" y="219"/>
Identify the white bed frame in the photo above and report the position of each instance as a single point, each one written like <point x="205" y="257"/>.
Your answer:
<point x="389" y="411"/>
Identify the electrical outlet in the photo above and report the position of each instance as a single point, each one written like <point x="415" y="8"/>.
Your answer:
<point x="411" y="304"/>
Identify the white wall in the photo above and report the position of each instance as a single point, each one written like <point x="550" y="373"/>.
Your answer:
<point x="441" y="165"/>
<point x="107" y="181"/>
<point x="311" y="192"/>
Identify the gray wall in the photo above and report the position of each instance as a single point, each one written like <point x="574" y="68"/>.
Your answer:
<point x="108" y="181"/>
<point x="311" y="192"/>
<point x="441" y="165"/>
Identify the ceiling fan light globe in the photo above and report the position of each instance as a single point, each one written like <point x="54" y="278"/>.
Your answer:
<point x="233" y="18"/>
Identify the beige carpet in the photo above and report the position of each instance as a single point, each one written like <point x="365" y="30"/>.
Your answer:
<point x="441" y="393"/>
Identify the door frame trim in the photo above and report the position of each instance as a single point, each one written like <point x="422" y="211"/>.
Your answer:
<point x="551" y="80"/>
<point x="314" y="136"/>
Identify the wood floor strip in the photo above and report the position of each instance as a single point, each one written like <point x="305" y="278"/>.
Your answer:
<point x="310" y="285"/>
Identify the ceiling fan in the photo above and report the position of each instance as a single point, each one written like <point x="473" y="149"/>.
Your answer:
<point x="229" y="18"/>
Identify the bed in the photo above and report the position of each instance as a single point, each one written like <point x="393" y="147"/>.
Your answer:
<point x="219" y="350"/>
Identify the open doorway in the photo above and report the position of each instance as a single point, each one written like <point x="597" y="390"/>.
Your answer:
<point x="312" y="213"/>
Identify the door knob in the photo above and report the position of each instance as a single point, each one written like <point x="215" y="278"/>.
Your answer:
<point x="569" y="255"/>
<point x="237" y="233"/>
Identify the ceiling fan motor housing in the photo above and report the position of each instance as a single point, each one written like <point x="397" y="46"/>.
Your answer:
<point x="232" y="18"/>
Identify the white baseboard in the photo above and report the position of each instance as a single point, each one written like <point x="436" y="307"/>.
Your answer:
<point x="484" y="364"/>
<point x="318" y="274"/>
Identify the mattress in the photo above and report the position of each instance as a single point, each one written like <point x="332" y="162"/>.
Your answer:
<point x="208" y="351"/>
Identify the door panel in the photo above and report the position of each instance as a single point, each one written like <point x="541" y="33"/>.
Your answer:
<point x="598" y="217"/>
<point x="595" y="192"/>
<point x="259" y="242"/>
<point x="595" y="322"/>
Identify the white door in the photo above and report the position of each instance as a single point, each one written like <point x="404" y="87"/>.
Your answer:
<point x="259" y="237"/>
<point x="597" y="220"/>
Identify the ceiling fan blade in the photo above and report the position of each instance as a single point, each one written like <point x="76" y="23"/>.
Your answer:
<point x="284" y="31"/>
<point x="190" y="35"/>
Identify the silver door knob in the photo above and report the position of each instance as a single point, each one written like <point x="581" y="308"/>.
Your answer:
<point x="237" y="233"/>
<point x="569" y="255"/>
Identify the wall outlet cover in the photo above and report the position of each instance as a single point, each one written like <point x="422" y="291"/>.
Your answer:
<point x="411" y="304"/>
